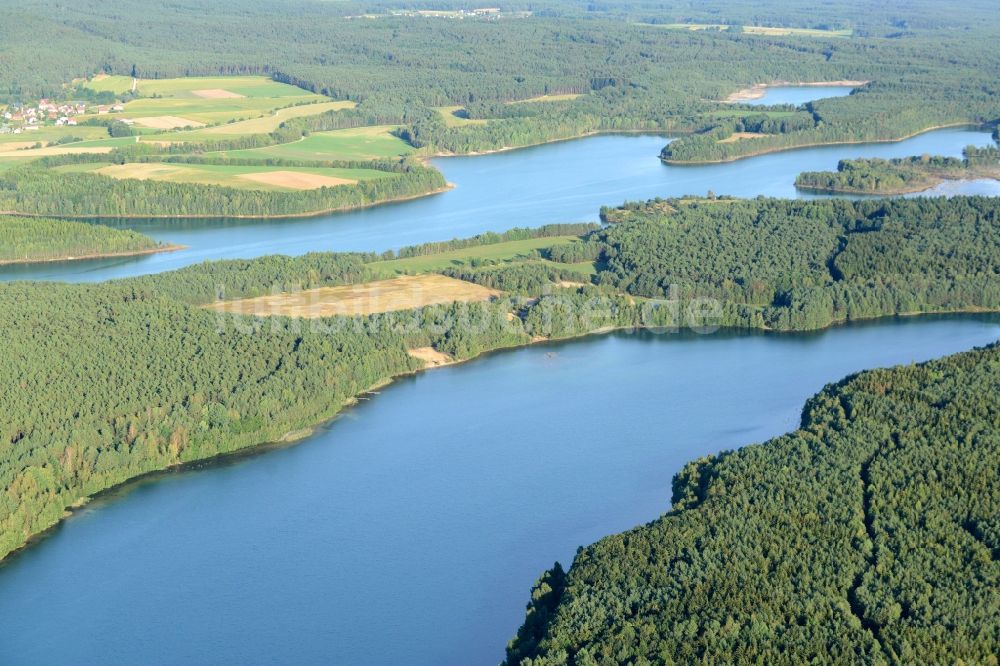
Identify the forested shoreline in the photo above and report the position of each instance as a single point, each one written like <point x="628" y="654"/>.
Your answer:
<point x="919" y="77"/>
<point x="211" y="384"/>
<point x="868" y="534"/>
<point x="36" y="190"/>
<point x="26" y="240"/>
<point x="901" y="175"/>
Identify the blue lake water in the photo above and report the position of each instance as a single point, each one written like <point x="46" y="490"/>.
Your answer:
<point x="979" y="187"/>
<point x="410" y="530"/>
<point x="798" y="95"/>
<point x="558" y="182"/>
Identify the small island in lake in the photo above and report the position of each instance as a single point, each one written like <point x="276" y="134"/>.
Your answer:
<point x="901" y="175"/>
<point x="35" y="239"/>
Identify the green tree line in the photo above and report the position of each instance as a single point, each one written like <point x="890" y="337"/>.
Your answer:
<point x="24" y="239"/>
<point x="805" y="264"/>
<point x="901" y="175"/>
<point x="868" y="535"/>
<point x="398" y="68"/>
<point x="36" y="190"/>
<point x="204" y="383"/>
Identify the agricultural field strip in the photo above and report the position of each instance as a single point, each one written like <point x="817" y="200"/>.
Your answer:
<point x="402" y="293"/>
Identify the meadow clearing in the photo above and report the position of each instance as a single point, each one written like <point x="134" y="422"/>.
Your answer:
<point x="402" y="293"/>
<point x="261" y="124"/>
<point x="518" y="251"/>
<point x="410" y="282"/>
<point x="361" y="143"/>
<point x="741" y="136"/>
<point x="563" y="97"/>
<point x="453" y="116"/>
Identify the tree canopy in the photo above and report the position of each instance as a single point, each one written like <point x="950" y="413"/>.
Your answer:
<point x="868" y="535"/>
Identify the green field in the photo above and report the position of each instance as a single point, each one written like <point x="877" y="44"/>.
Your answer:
<point x="246" y="86"/>
<point x="53" y="133"/>
<point x="105" y="83"/>
<point x="218" y="108"/>
<point x="448" y="115"/>
<point x="106" y="142"/>
<point x="230" y="108"/>
<point x="209" y="111"/>
<point x="8" y="162"/>
<point x="259" y="125"/>
<point x="205" y="100"/>
<point x="362" y="143"/>
<point x="509" y="252"/>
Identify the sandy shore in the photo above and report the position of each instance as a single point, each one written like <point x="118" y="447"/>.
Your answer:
<point x="759" y="90"/>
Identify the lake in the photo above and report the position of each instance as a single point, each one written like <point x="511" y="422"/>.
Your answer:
<point x="984" y="187"/>
<point x="559" y="182"/>
<point x="411" y="528"/>
<point x="798" y="95"/>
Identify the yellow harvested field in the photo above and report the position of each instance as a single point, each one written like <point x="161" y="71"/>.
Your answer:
<point x="296" y="180"/>
<point x="141" y="170"/>
<point x="216" y="93"/>
<point x="18" y="145"/>
<point x="55" y="150"/>
<point x="739" y="136"/>
<point x="167" y="122"/>
<point x="402" y="293"/>
<point x="431" y="357"/>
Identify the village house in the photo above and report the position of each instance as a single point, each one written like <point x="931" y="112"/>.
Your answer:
<point x="45" y="111"/>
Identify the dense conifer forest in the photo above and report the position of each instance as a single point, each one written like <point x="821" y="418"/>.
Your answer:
<point x="901" y="175"/>
<point x="205" y="383"/>
<point x="35" y="190"/>
<point x="869" y="535"/>
<point x="926" y="66"/>
<point x="799" y="265"/>
<point x="39" y="239"/>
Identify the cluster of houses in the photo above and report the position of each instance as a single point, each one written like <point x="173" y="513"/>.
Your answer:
<point x="25" y="118"/>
